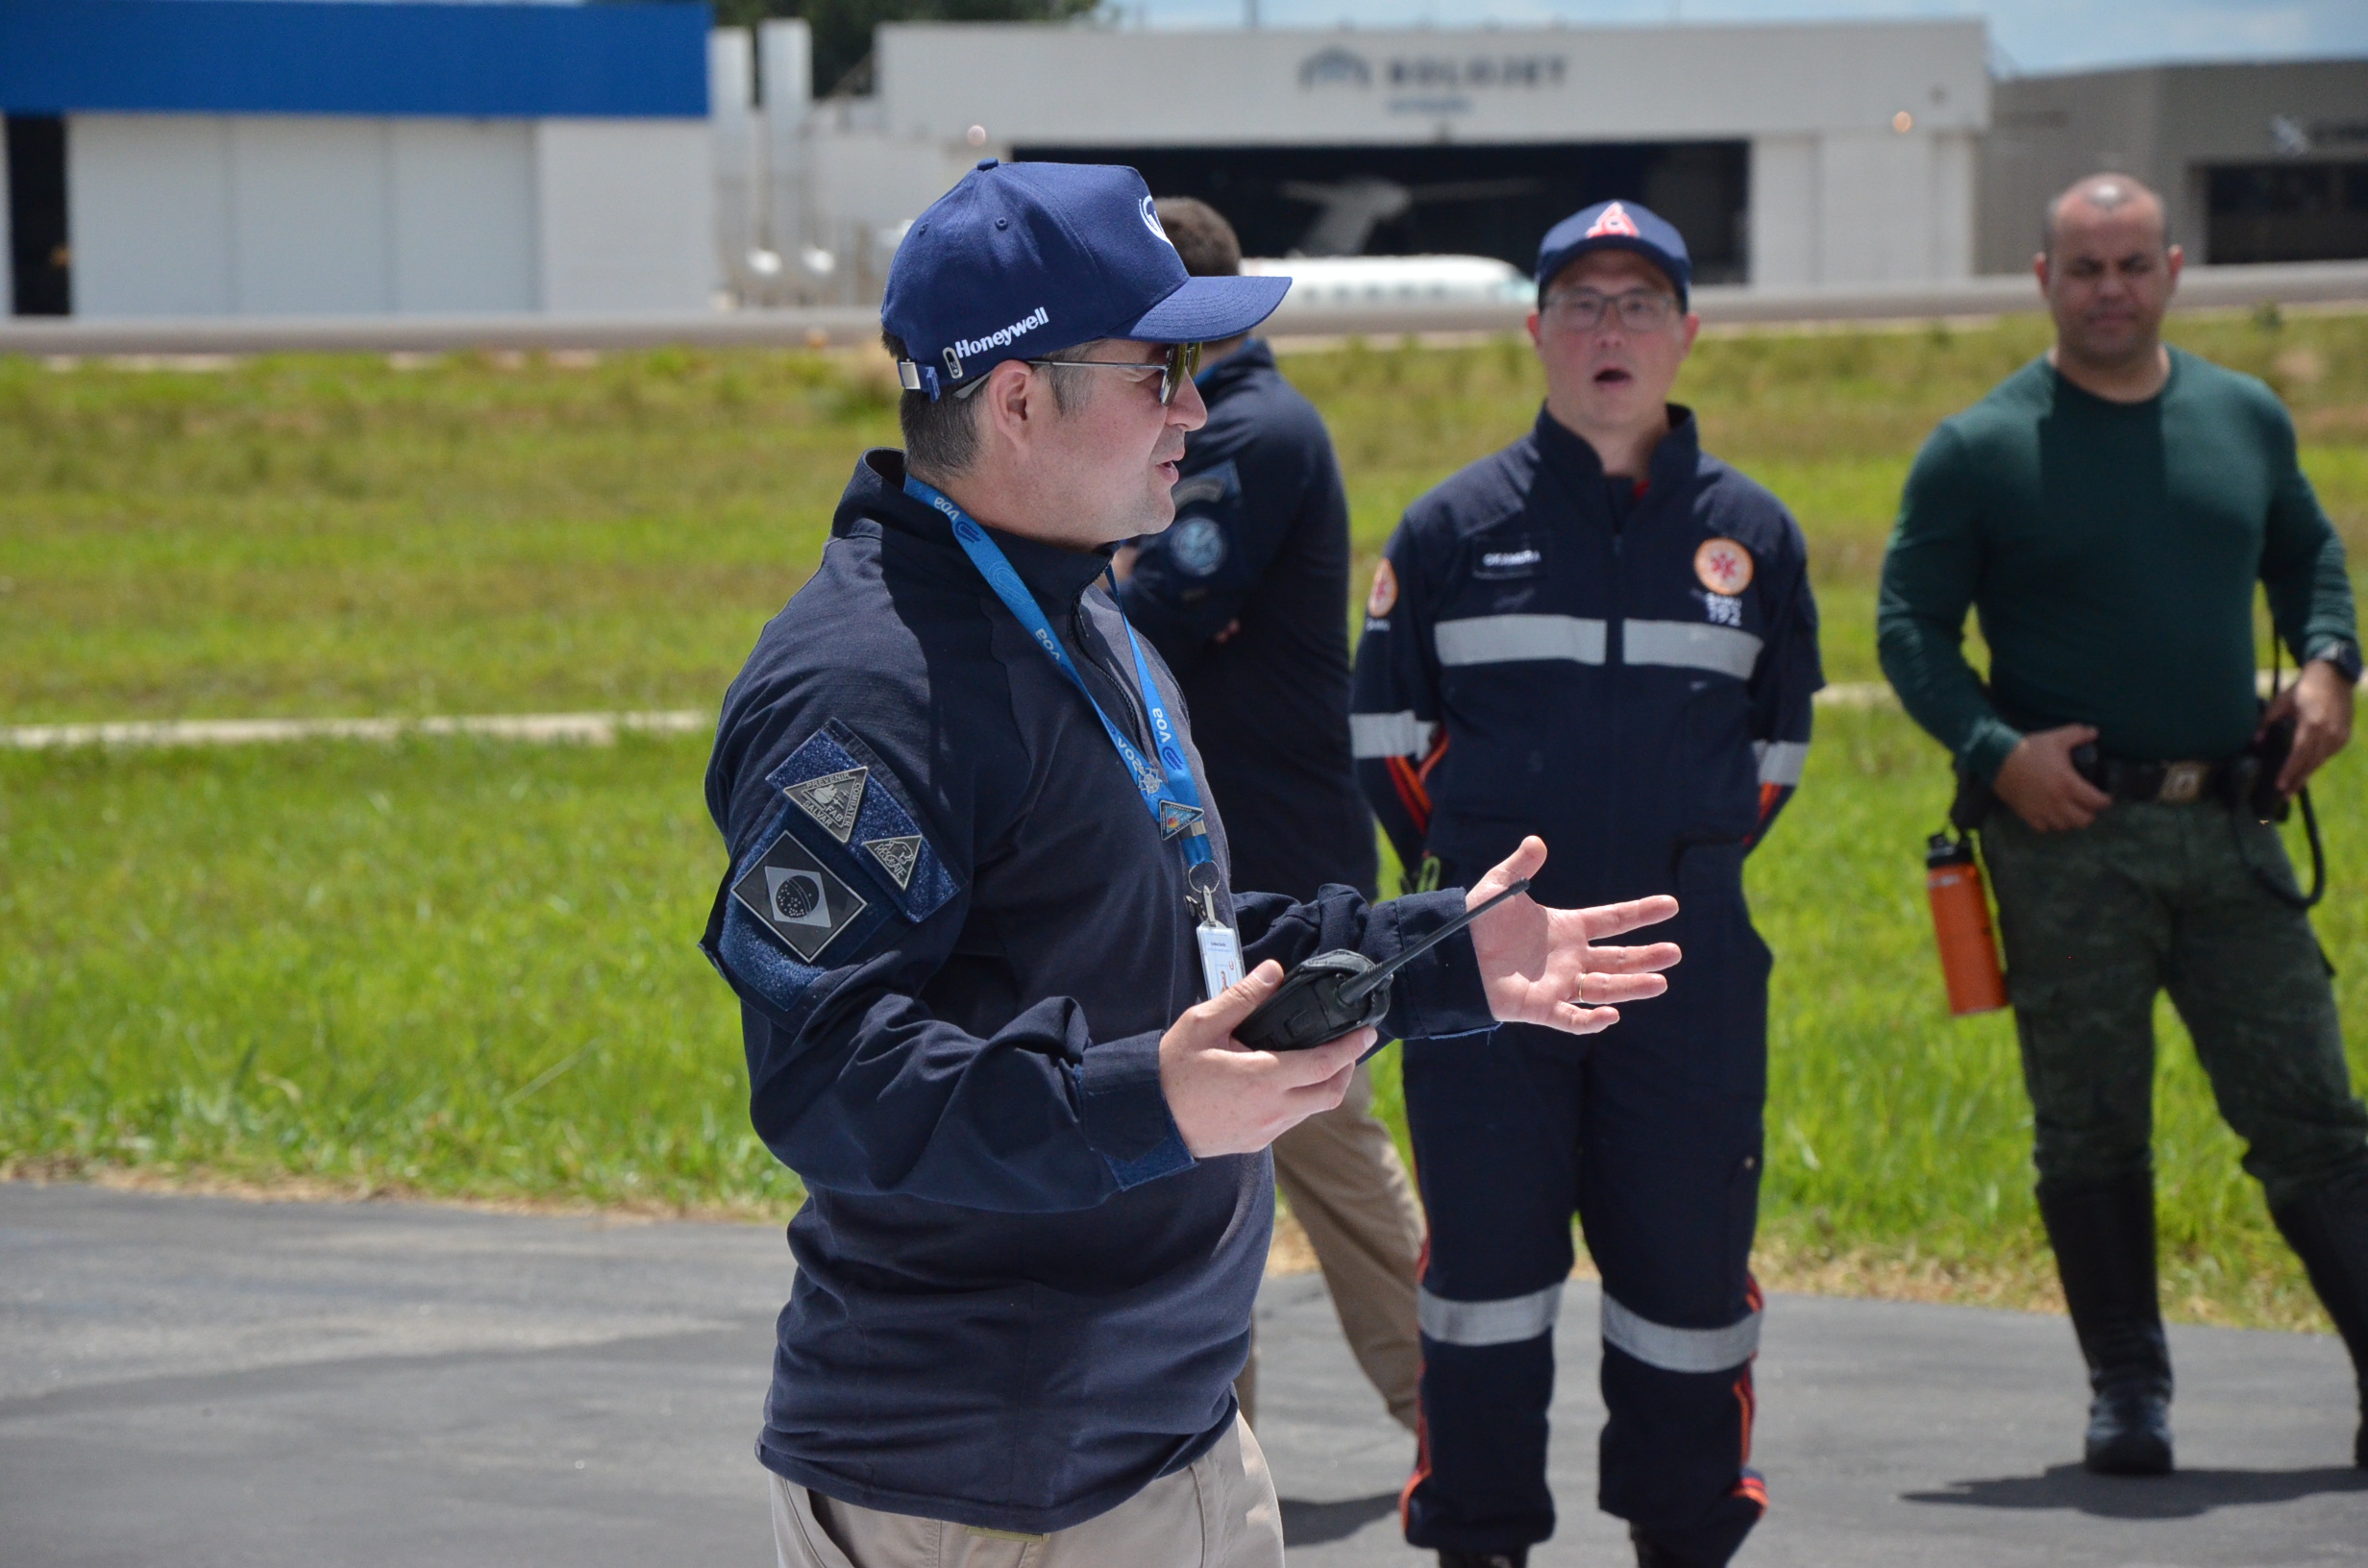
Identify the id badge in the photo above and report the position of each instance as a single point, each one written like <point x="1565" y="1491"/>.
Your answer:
<point x="1220" y="955"/>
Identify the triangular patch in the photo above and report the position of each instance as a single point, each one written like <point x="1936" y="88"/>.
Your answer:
<point x="1615" y="221"/>
<point x="1175" y="818"/>
<point x="897" y="857"/>
<point x="833" y="799"/>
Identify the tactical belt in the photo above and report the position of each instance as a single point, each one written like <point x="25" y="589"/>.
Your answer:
<point x="2173" y="783"/>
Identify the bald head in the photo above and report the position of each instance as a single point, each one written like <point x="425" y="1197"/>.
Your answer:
<point x="2108" y="272"/>
<point x="2114" y="198"/>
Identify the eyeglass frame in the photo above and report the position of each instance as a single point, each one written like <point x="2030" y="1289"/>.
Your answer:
<point x="1181" y="364"/>
<point x="1666" y="306"/>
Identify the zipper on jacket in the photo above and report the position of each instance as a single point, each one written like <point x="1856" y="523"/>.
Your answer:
<point x="1130" y="703"/>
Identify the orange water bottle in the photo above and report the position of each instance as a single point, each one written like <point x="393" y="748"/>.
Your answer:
<point x="1960" y="921"/>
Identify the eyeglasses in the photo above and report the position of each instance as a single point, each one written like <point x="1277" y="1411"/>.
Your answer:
<point x="1182" y="360"/>
<point x="1581" y="309"/>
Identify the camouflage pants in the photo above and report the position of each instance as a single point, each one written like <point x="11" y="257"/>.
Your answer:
<point x="2155" y="898"/>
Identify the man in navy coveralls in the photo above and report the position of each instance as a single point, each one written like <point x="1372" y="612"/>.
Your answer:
<point x="1603" y="636"/>
<point x="975" y="897"/>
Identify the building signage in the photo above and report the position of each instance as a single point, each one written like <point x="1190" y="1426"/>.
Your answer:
<point x="2296" y="139"/>
<point x="1430" y="84"/>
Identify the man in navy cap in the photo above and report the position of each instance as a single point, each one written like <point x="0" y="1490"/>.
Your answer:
<point x="1603" y="636"/>
<point x="978" y="919"/>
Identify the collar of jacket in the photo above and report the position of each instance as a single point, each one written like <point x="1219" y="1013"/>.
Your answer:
<point x="1054" y="574"/>
<point x="1569" y="455"/>
<point x="1234" y="369"/>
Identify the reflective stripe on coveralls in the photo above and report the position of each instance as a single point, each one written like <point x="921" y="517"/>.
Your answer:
<point x="1690" y="645"/>
<point x="1509" y="639"/>
<point x="1506" y="1321"/>
<point x="1506" y="639"/>
<point x="1513" y="1319"/>
<point x="1680" y="1349"/>
<point x="1781" y="761"/>
<point x="1397" y="734"/>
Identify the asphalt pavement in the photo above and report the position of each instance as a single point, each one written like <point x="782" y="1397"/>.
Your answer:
<point x="205" y="1381"/>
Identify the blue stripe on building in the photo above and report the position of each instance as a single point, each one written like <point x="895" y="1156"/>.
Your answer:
<point x="320" y="56"/>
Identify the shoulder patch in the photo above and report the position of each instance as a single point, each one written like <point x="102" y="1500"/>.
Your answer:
<point x="875" y="844"/>
<point x="1198" y="545"/>
<point x="804" y="901"/>
<point x="747" y="949"/>
<point x="833" y="799"/>
<point x="1208" y="487"/>
<point x="1723" y="566"/>
<point x="1383" y="595"/>
<point x="897" y="856"/>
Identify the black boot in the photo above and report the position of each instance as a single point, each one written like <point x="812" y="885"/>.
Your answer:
<point x="1484" y="1559"/>
<point x="2104" y="1237"/>
<point x="2329" y="1231"/>
<point x="1650" y="1555"/>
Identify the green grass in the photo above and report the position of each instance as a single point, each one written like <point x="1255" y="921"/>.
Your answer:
<point x="448" y="966"/>
<point x="466" y="969"/>
<point x="334" y="535"/>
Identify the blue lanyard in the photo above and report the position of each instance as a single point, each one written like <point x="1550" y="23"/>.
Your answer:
<point x="1169" y="790"/>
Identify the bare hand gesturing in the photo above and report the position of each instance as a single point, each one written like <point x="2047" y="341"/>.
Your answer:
<point x="1538" y="964"/>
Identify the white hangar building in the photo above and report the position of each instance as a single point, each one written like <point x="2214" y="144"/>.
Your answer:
<point x="226" y="157"/>
<point x="212" y="158"/>
<point x="1795" y="155"/>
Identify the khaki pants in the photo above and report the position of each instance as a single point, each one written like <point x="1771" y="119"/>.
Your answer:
<point x="1347" y="1189"/>
<point x="1216" y="1512"/>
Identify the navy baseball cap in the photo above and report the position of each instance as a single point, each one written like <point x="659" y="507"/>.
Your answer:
<point x="1020" y="259"/>
<point x="1616" y="225"/>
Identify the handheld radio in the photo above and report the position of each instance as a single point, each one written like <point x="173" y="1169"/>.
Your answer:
<point x="1333" y="994"/>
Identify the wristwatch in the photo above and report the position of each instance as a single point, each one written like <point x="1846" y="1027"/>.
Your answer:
<point x="2343" y="656"/>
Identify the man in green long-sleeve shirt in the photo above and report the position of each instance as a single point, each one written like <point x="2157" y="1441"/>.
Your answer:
<point x="2107" y="511"/>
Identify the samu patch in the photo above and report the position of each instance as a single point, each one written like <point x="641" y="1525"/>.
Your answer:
<point x="1723" y="566"/>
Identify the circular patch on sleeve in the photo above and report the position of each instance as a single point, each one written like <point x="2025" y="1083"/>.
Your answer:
<point x="1198" y="545"/>
<point x="1723" y="566"/>
<point x="1384" y="597"/>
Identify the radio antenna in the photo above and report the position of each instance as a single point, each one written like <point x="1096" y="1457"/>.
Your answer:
<point x="1373" y="979"/>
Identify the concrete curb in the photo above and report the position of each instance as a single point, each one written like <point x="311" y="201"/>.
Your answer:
<point x="583" y="728"/>
<point x="2308" y="282"/>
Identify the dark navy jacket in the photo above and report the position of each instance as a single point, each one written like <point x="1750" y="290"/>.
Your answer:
<point x="1261" y="537"/>
<point x="958" y="938"/>
<point x="1545" y="653"/>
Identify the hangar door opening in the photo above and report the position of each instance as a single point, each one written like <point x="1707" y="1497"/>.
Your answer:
<point x="40" y="267"/>
<point x="2287" y="213"/>
<point x="1447" y="198"/>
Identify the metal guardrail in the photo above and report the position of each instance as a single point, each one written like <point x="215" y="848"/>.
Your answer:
<point x="2315" y="282"/>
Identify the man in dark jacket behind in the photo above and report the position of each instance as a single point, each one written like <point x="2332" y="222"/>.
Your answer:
<point x="1246" y="598"/>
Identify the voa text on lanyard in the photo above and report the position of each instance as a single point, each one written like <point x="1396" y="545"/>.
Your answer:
<point x="1169" y="790"/>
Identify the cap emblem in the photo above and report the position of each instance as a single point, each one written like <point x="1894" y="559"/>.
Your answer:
<point x="1615" y="221"/>
<point x="1151" y="221"/>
